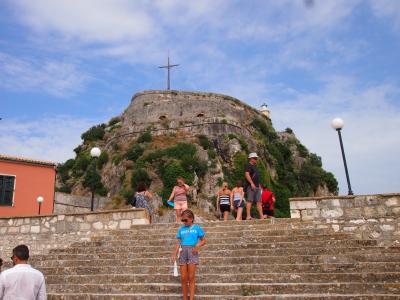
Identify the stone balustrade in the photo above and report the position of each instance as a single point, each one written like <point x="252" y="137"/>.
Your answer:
<point x="369" y="216"/>
<point x="41" y="233"/>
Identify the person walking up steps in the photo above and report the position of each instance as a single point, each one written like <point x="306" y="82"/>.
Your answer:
<point x="224" y="201"/>
<point x="190" y="238"/>
<point x="238" y="199"/>
<point x="253" y="190"/>
<point x="179" y="194"/>
<point x="142" y="196"/>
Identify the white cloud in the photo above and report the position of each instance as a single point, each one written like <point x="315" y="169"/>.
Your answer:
<point x="387" y="9"/>
<point x="87" y="21"/>
<point x="50" y="138"/>
<point x="56" y="78"/>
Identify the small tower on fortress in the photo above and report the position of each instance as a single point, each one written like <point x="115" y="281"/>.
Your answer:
<point x="264" y="110"/>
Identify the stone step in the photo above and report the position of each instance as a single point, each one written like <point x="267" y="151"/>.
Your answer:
<point x="228" y="235"/>
<point x="162" y="252"/>
<point x="286" y="228"/>
<point x="84" y="248"/>
<point x="164" y="296"/>
<point x="228" y="278"/>
<point x="217" y="260"/>
<point x="278" y="223"/>
<point x="170" y="240"/>
<point x="230" y="223"/>
<point x="212" y="234"/>
<point x="289" y="228"/>
<point x="229" y="269"/>
<point x="230" y="288"/>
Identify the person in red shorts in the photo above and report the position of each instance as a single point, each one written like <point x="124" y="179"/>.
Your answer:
<point x="267" y="200"/>
<point x="179" y="195"/>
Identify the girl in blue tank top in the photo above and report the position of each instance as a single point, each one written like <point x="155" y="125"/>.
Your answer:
<point x="190" y="238"/>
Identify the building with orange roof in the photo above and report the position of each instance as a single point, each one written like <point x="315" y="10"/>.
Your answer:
<point x="22" y="182"/>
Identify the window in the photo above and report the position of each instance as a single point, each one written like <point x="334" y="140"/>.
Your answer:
<point x="6" y="190"/>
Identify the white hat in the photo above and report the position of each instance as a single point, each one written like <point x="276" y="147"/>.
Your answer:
<point x="253" y="155"/>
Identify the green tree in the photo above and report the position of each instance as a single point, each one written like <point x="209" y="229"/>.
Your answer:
<point x="92" y="180"/>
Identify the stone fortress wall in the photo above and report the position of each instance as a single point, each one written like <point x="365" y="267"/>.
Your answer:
<point x="190" y="112"/>
<point x="368" y="216"/>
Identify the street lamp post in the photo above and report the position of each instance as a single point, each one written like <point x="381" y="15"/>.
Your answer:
<point x="95" y="153"/>
<point x="338" y="124"/>
<point x="39" y="201"/>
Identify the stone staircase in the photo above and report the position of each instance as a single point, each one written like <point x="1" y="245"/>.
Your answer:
<point x="246" y="260"/>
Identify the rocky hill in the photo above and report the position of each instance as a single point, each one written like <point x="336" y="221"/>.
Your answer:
<point x="205" y="138"/>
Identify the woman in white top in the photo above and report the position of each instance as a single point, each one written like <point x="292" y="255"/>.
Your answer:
<point x="238" y="199"/>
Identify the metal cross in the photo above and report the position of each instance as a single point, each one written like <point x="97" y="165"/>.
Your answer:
<point x="168" y="66"/>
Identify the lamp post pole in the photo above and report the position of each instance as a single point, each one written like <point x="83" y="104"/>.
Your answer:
<point x="94" y="153"/>
<point x="337" y="124"/>
<point x="39" y="201"/>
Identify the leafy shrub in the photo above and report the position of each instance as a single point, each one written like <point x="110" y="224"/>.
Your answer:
<point x="282" y="206"/>
<point x="212" y="154"/>
<point x="64" y="169"/>
<point x="144" y="137"/>
<point x="289" y="130"/>
<point x="134" y="152"/>
<point x="303" y="152"/>
<point x="81" y="164"/>
<point x="64" y="189"/>
<point x="315" y="160"/>
<point x="331" y="182"/>
<point x="205" y="142"/>
<point x="94" y="133"/>
<point x="78" y="149"/>
<point x="92" y="180"/>
<point x="264" y="129"/>
<point x="116" y="159"/>
<point x="102" y="160"/>
<point x="140" y="175"/>
<point x="169" y="175"/>
<point x="114" y="121"/>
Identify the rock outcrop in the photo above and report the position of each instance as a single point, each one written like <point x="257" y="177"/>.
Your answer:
<point x="205" y="138"/>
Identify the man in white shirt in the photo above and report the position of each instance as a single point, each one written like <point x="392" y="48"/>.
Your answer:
<point x="22" y="282"/>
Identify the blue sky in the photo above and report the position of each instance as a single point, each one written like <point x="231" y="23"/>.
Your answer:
<point x="67" y="65"/>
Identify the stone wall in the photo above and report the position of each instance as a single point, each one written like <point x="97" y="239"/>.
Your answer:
<point x="42" y="233"/>
<point x="368" y="216"/>
<point x="70" y="204"/>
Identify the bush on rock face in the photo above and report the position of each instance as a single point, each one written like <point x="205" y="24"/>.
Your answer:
<point x="93" y="134"/>
<point x="144" y="137"/>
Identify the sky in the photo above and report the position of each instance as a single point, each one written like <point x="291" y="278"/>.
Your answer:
<point x="68" y="65"/>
